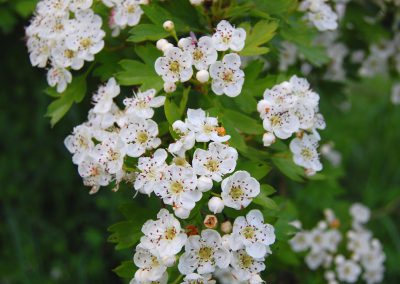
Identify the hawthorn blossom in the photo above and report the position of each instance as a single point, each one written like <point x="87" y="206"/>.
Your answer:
<point x="175" y="65"/>
<point x="151" y="266"/>
<point x="76" y="5"/>
<point x="162" y="280"/>
<point x="59" y="77"/>
<point x="142" y="103"/>
<point x="360" y="213"/>
<point x="103" y="99"/>
<point x="163" y="236"/>
<point x="252" y="234"/>
<point x="204" y="254"/>
<point x="227" y="37"/>
<point x="194" y="278"/>
<point x="110" y="153"/>
<point x="227" y="76"/>
<point x="127" y="13"/>
<point x="93" y="174"/>
<point x="245" y="266"/>
<point x="140" y="135"/>
<point x="203" y="51"/>
<point x="348" y="271"/>
<point x="239" y="189"/>
<point x="186" y="138"/>
<point x="151" y="171"/>
<point x="178" y="188"/>
<point x="206" y="127"/>
<point x="305" y="153"/>
<point x="215" y="162"/>
<point x="79" y="143"/>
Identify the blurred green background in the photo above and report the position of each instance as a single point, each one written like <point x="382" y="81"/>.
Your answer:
<point x="52" y="231"/>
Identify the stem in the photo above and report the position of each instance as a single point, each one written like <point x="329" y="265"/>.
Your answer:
<point x="215" y="194"/>
<point x="177" y="280"/>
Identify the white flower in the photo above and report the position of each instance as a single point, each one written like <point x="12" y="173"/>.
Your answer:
<point x="76" y="5"/>
<point x="194" y="278"/>
<point x="60" y="77"/>
<point x="52" y="7"/>
<point x="374" y="276"/>
<point x="395" y="96"/>
<point x="360" y="213"/>
<point x="86" y="36"/>
<point x="268" y="139"/>
<point x="251" y="232"/>
<point x="205" y="127"/>
<point x="139" y="136"/>
<point x="204" y="253"/>
<point x="203" y="51"/>
<point x="151" y="266"/>
<point x="163" y="236"/>
<point x="151" y="171"/>
<point x="127" y="13"/>
<point x="348" y="271"/>
<point x="227" y="76"/>
<point x="142" y="103"/>
<point x="215" y="205"/>
<point x="186" y="138"/>
<point x="287" y="55"/>
<point x="93" y="174"/>
<point x="162" y="280"/>
<point x="215" y="162"/>
<point x="315" y="259"/>
<point x="178" y="187"/>
<point x="300" y="242"/>
<point x="245" y="266"/>
<point x="79" y="143"/>
<point x="175" y="66"/>
<point x="239" y="189"/>
<point x="305" y="152"/>
<point x="64" y="57"/>
<point x="110" y="153"/>
<point x="103" y="99"/>
<point x="226" y="37"/>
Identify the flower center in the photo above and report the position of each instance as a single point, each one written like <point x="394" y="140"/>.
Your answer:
<point x="248" y="232"/>
<point x="246" y="261"/>
<point x="174" y="66"/>
<point x="227" y="76"/>
<point x="207" y="128"/>
<point x="170" y="233"/>
<point x="68" y="53"/>
<point x="176" y="187"/>
<point x="86" y="43"/>
<point x="306" y="153"/>
<point x="275" y="120"/>
<point x="197" y="54"/>
<point x="212" y="165"/>
<point x="142" y="137"/>
<point x="205" y="253"/>
<point x="131" y="9"/>
<point x="236" y="192"/>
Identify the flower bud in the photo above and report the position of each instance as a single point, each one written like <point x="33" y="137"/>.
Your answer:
<point x="161" y="43"/>
<point x="169" y="87"/>
<point x="210" y="221"/>
<point x="268" y="139"/>
<point x="202" y="76"/>
<point x="167" y="46"/>
<point x="169" y="26"/>
<point x="216" y="205"/>
<point x="204" y="184"/>
<point x="226" y="227"/>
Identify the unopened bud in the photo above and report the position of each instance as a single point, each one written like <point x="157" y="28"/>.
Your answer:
<point x="216" y="205"/>
<point x="268" y="139"/>
<point x="167" y="46"/>
<point x="161" y="44"/>
<point x="221" y="131"/>
<point x="169" y="26"/>
<point x="169" y="87"/>
<point x="202" y="76"/>
<point x="210" y="221"/>
<point x="226" y="227"/>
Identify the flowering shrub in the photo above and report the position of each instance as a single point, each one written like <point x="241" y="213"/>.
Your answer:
<point x="197" y="101"/>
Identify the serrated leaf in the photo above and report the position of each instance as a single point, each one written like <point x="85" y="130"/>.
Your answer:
<point x="285" y="165"/>
<point x="260" y="34"/>
<point x="257" y="169"/>
<point x="144" y="32"/>
<point x="74" y="93"/>
<point x="126" y="269"/>
<point x="125" y="234"/>
<point x="274" y="7"/>
<point x="316" y="55"/>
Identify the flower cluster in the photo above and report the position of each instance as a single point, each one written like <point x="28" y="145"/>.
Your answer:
<point x="288" y="108"/>
<point x="124" y="13"/>
<point x="365" y="254"/>
<point x="101" y="145"/>
<point x="320" y="14"/>
<point x="63" y="34"/>
<point x="177" y="63"/>
<point x="240" y="255"/>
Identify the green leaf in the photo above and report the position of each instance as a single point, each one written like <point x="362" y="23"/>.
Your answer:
<point x="275" y="7"/>
<point x="257" y="169"/>
<point x="172" y="110"/>
<point x="126" y="269"/>
<point x="243" y="122"/>
<point x="140" y="73"/>
<point x="267" y="189"/>
<point x="316" y="55"/>
<point x="145" y="32"/>
<point x="285" y="165"/>
<point x="236" y="140"/>
<point x="74" y="93"/>
<point x="263" y="200"/>
<point x="259" y="35"/>
<point x="125" y="234"/>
